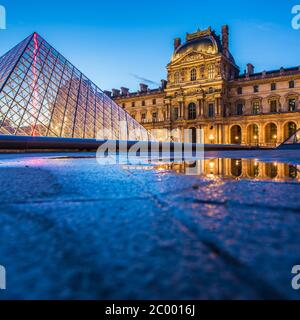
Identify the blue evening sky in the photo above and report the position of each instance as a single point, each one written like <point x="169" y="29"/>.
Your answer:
<point x="116" y="42"/>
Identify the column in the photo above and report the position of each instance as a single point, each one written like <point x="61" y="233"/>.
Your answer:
<point x="183" y="115"/>
<point x="261" y="134"/>
<point x="244" y="134"/>
<point x="218" y="106"/>
<point x="280" y="132"/>
<point x="199" y="108"/>
<point x="180" y="110"/>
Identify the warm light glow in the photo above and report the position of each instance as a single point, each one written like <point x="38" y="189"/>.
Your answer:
<point x="211" y="137"/>
<point x="211" y="165"/>
<point x="236" y="138"/>
<point x="275" y="136"/>
<point x="255" y="137"/>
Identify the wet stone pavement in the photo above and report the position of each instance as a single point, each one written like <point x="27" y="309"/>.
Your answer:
<point x="73" y="229"/>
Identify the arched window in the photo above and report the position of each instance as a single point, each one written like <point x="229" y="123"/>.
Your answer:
<point x="193" y="75"/>
<point x="192" y="111"/>
<point x="176" y="77"/>
<point x="211" y="71"/>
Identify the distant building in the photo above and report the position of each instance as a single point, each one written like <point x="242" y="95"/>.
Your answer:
<point x="205" y="90"/>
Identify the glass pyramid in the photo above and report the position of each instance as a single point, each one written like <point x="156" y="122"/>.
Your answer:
<point x="294" y="139"/>
<point x="43" y="94"/>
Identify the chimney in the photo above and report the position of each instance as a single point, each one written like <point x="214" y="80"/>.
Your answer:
<point x="225" y="38"/>
<point x="177" y="43"/>
<point x="108" y="93"/>
<point x="143" y="87"/>
<point x="125" y="91"/>
<point x="164" y="84"/>
<point x="250" y="69"/>
<point x="115" y="93"/>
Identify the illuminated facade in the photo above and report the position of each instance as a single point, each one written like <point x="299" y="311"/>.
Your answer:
<point x="205" y="90"/>
<point x="43" y="94"/>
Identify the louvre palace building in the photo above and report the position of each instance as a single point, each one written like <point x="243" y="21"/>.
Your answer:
<point x="206" y="90"/>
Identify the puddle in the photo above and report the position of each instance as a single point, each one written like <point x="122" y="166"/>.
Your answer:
<point x="237" y="169"/>
<point x="223" y="168"/>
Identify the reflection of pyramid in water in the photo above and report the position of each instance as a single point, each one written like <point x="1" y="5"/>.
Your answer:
<point x="43" y="94"/>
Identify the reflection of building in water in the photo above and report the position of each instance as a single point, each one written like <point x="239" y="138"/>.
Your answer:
<point x="206" y="90"/>
<point x="238" y="169"/>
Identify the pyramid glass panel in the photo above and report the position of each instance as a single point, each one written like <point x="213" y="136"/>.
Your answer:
<point x="43" y="94"/>
<point x="294" y="139"/>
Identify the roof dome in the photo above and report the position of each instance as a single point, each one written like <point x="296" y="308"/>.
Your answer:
<point x="205" y="44"/>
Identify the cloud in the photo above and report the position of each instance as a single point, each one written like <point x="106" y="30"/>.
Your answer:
<point x="144" y="80"/>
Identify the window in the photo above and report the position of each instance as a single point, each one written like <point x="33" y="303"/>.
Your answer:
<point x="175" y="114"/>
<point x="239" y="109"/>
<point x="256" y="107"/>
<point x="132" y="104"/>
<point x="154" y="116"/>
<point x="273" y="106"/>
<point x="143" y="103"/>
<point x="143" y="117"/>
<point x="193" y="75"/>
<point x="123" y="105"/>
<point x="256" y="89"/>
<point x="211" y="90"/>
<point x="154" y="101"/>
<point x="211" y="110"/>
<point x="239" y="90"/>
<point x="273" y="86"/>
<point x="176" y="77"/>
<point x="292" y="84"/>
<point x="202" y="70"/>
<point x="192" y="111"/>
<point x="292" y="104"/>
<point x="211" y="71"/>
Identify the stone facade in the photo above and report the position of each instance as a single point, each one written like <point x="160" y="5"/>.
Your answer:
<point x="205" y="90"/>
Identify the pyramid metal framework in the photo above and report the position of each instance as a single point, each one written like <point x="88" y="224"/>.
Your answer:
<point x="43" y="94"/>
<point x="294" y="139"/>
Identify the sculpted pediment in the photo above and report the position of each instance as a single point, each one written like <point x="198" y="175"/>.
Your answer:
<point x="190" y="57"/>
